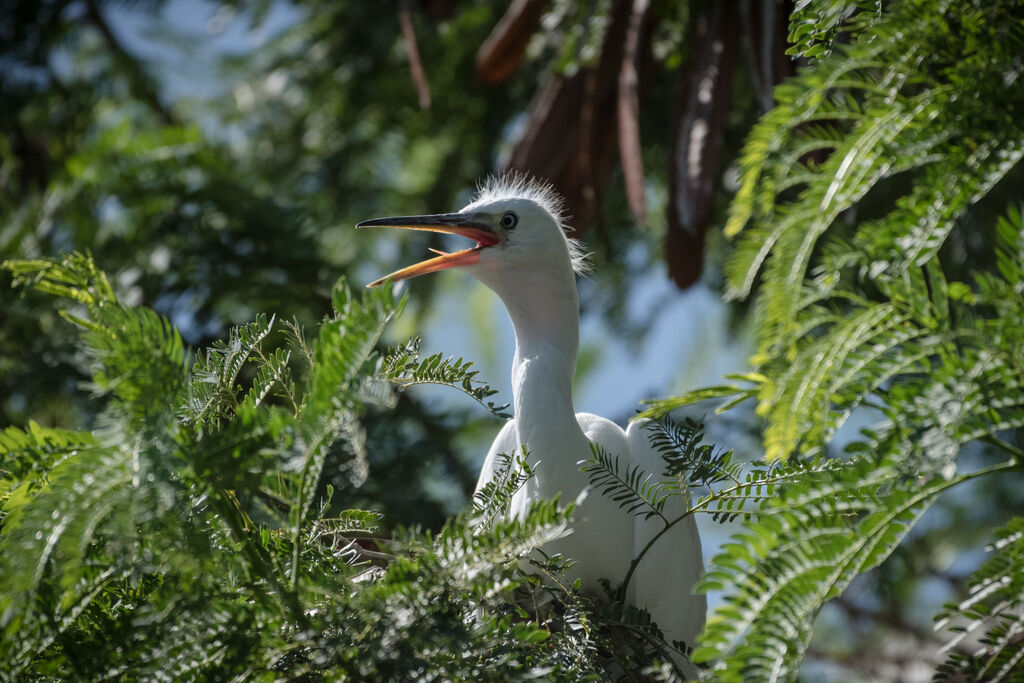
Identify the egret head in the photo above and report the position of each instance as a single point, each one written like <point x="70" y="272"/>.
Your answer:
<point x="517" y="224"/>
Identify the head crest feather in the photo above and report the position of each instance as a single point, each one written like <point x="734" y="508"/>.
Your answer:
<point x="513" y="184"/>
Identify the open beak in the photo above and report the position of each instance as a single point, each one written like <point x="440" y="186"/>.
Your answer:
<point x="453" y="223"/>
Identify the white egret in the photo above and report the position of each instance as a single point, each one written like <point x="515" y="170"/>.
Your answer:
<point x="523" y="254"/>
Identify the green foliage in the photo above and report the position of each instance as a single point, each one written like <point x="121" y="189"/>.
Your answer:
<point x="735" y="393"/>
<point x="994" y="609"/>
<point x="189" y="517"/>
<point x="876" y="225"/>
<point x="637" y="492"/>
<point x="573" y="33"/>
<point x="28" y="455"/>
<point x="682" y="447"/>
<point x="195" y="531"/>
<point x="493" y="499"/>
<point x="875" y="309"/>
<point x="821" y="529"/>
<point x="403" y="367"/>
<point x="815" y="25"/>
<point x="213" y="391"/>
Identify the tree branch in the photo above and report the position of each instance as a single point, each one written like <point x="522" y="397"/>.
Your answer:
<point x="140" y="81"/>
<point x="419" y="78"/>
<point x="993" y="440"/>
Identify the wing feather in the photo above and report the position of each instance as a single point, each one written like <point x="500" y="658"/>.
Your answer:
<point x="663" y="582"/>
<point x="505" y="442"/>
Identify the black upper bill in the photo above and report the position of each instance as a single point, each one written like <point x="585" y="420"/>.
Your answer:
<point x="452" y="223"/>
<point x="412" y="222"/>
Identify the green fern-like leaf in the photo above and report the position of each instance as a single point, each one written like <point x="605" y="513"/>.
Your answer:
<point x="403" y="366"/>
<point x="736" y="394"/>
<point x="192" y="532"/>
<point x="824" y="530"/>
<point x="682" y="447"/>
<point x="637" y="492"/>
<point x="136" y="355"/>
<point x="213" y="391"/>
<point x="884" y="103"/>
<point x="492" y="501"/>
<point x="815" y="25"/>
<point x="993" y="609"/>
<point x="28" y="455"/>
<point x="342" y="356"/>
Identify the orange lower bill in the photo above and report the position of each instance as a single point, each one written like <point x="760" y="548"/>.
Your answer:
<point x="459" y="258"/>
<point x="465" y="225"/>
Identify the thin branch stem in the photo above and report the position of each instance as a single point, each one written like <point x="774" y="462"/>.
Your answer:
<point x="994" y="440"/>
<point x="273" y="501"/>
<point x="139" y="79"/>
<point x="331" y="540"/>
<point x="405" y="383"/>
<point x="419" y="77"/>
<point x="257" y="559"/>
<point x="286" y="386"/>
<point x="610" y="468"/>
<point x="701" y="506"/>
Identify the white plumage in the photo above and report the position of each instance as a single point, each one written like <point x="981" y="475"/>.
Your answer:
<point x="525" y="257"/>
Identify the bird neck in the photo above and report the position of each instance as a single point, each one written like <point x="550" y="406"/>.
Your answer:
<point x="546" y="323"/>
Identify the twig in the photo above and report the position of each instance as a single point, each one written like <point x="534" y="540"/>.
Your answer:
<point x="501" y="54"/>
<point x="259" y="560"/>
<point x="419" y="78"/>
<point x="994" y="440"/>
<point x="331" y="540"/>
<point x="700" y="506"/>
<point x="140" y="81"/>
<point x="273" y="501"/>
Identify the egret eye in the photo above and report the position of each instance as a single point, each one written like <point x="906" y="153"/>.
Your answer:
<point x="509" y="220"/>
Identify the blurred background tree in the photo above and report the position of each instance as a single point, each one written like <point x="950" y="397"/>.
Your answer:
<point x="213" y="157"/>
